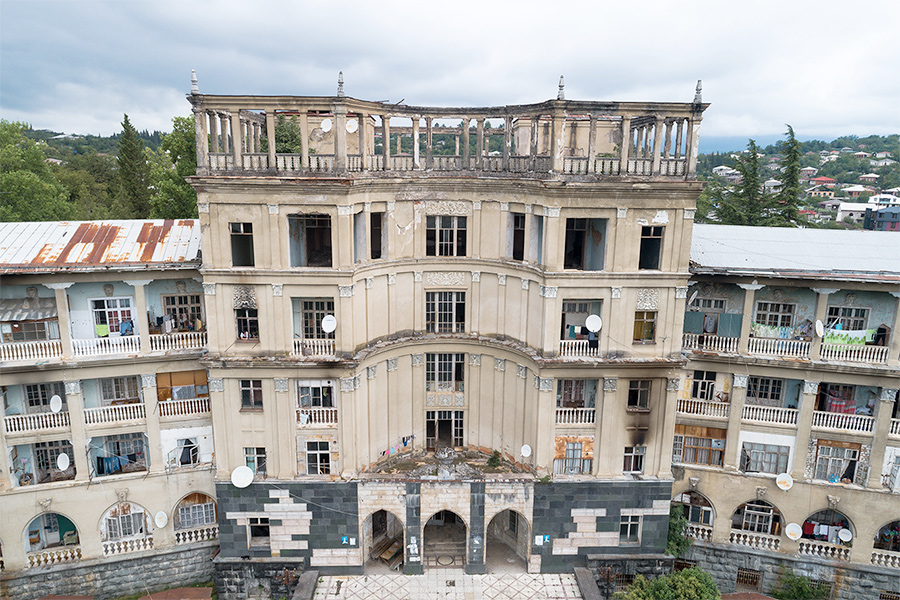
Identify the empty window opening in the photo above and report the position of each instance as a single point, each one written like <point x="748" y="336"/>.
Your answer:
<point x="651" y="247"/>
<point x="704" y="386"/>
<point x="445" y="372"/>
<point x="445" y="236"/>
<point x="247" y="323"/>
<point x="251" y="393"/>
<point x="639" y="394"/>
<point x="255" y="458"/>
<point x="634" y="459"/>
<point x="576" y="393"/>
<point x="445" y="312"/>
<point x="515" y="242"/>
<point x="376" y="235"/>
<point x="536" y="243"/>
<point x="258" y="531"/>
<point x="574" y="317"/>
<point x="630" y="529"/>
<point x="242" y="244"/>
<point x="443" y="428"/>
<point x="757" y="516"/>
<point x="310" y="240"/>
<point x="585" y="244"/>
<point x="697" y="508"/>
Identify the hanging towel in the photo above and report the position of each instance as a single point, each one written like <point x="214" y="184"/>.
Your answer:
<point x="102" y="330"/>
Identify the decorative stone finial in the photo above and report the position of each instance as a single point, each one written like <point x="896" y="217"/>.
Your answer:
<point x="697" y="92"/>
<point x="340" y="84"/>
<point x="561" y="95"/>
<point x="194" y="88"/>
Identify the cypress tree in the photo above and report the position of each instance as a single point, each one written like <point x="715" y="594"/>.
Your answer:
<point x="134" y="173"/>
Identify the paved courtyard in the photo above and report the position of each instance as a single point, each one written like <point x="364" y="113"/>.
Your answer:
<point x="449" y="584"/>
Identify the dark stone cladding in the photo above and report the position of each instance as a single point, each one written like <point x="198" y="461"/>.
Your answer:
<point x="412" y="562"/>
<point x="552" y="516"/>
<point x="475" y="561"/>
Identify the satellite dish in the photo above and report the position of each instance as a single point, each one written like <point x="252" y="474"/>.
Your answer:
<point x="241" y="477"/>
<point x="329" y="323"/>
<point x="326" y="125"/>
<point x="693" y="297"/>
<point x="593" y="323"/>
<point x="793" y="531"/>
<point x="62" y="462"/>
<point x="352" y="126"/>
<point x="784" y="481"/>
<point x="161" y="518"/>
<point x="526" y="451"/>
<point x="56" y="403"/>
<point x="845" y="535"/>
<point x="820" y="328"/>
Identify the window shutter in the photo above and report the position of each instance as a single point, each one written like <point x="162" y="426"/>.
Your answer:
<point x="730" y="324"/>
<point x="693" y="322"/>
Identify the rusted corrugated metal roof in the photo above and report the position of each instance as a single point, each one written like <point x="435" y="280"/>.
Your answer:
<point x="91" y="245"/>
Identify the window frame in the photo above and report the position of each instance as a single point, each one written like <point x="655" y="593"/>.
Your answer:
<point x="644" y="327"/>
<point x="38" y="396"/>
<point x="258" y="524"/>
<point x="120" y="390"/>
<point x="446" y="235"/>
<point x="650" y="252"/>
<point x="251" y="394"/>
<point x="191" y="308"/>
<point x="765" y="388"/>
<point x="517" y="236"/>
<point x="694" y="446"/>
<point x="445" y="372"/>
<point x="639" y="393"/>
<point x="318" y="458"/>
<point x="255" y="458"/>
<point x="703" y="387"/>
<point x="764" y="458"/>
<point x="445" y="312"/>
<point x="196" y="515"/>
<point x="134" y="522"/>
<point x="314" y="399"/>
<point x="241" y="236"/>
<point x="836" y="314"/>
<point x="249" y="317"/>
<point x="634" y="459"/>
<point x="630" y="527"/>
<point x="775" y="314"/>
<point x="112" y="315"/>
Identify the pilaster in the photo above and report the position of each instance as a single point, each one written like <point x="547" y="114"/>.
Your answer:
<point x="747" y="317"/>
<point x="140" y="301"/>
<point x="809" y="390"/>
<point x="285" y="421"/>
<point x="882" y="427"/>
<point x="151" y="406"/>
<point x="607" y="451"/>
<point x="75" y="402"/>
<point x="732" y="458"/>
<point x="62" y="315"/>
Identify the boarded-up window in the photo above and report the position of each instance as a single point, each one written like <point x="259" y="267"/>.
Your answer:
<point x="182" y="385"/>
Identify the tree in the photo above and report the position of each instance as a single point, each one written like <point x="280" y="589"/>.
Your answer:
<point x="173" y="197"/>
<point x="134" y="173"/>
<point x="288" y="137"/>
<point x="787" y="197"/>
<point x="747" y="203"/>
<point x="798" y="587"/>
<point x="677" y="542"/>
<point x="687" y="584"/>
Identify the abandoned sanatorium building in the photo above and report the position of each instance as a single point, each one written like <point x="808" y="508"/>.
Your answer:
<point x="324" y="369"/>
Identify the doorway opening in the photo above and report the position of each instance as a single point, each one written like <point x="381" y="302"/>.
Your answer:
<point x="445" y="541"/>
<point x="507" y="542"/>
<point x="382" y="542"/>
<point x="443" y="429"/>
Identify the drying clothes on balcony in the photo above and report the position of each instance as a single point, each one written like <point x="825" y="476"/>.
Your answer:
<point x="850" y="337"/>
<point x="126" y="327"/>
<point x="102" y="330"/>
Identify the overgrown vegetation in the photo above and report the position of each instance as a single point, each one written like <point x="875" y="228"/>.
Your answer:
<point x="677" y="542"/>
<point x="798" y="587"/>
<point x="494" y="460"/>
<point x="687" y="584"/>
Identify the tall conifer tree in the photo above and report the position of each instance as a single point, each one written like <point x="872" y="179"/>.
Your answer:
<point x="134" y="173"/>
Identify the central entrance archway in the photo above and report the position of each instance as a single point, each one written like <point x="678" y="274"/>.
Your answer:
<point x="382" y="542"/>
<point x="444" y="541"/>
<point x="507" y="543"/>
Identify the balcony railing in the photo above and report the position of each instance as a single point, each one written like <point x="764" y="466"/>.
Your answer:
<point x="196" y="534"/>
<point x="823" y="550"/>
<point x="54" y="556"/>
<point x="895" y="428"/>
<point x="779" y="347"/>
<point x="314" y="348"/>
<point x="30" y="350"/>
<point x="126" y="546"/>
<point x="191" y="407"/>
<point x="759" y="541"/>
<point x="184" y="340"/>
<point x="843" y="422"/>
<point x="701" y="533"/>
<point x="855" y="353"/>
<point x="575" y="416"/>
<point x="36" y="422"/>
<point x="317" y="417"/>
<point x="709" y="343"/>
<point x="577" y="348"/>
<point x="886" y="558"/>
<point x="703" y="408"/>
<point x="115" y="414"/>
<point x="129" y="344"/>
<point x="770" y="414"/>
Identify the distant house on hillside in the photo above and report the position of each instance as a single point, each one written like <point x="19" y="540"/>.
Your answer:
<point x="819" y="191"/>
<point x="854" y="191"/>
<point x="826" y="181"/>
<point x="855" y="211"/>
<point x="808" y="172"/>
<point x="883" y="154"/>
<point x="861" y="154"/>
<point x="772" y="185"/>
<point x="885" y="200"/>
<point x="882" y="162"/>
<point x="869" y="178"/>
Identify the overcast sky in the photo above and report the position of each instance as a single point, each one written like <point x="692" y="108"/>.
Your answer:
<point x="829" y="67"/>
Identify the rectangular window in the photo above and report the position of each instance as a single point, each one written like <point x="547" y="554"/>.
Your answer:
<point x="315" y="394"/>
<point x="196" y="515"/>
<point x="119" y="390"/>
<point x="38" y="396"/>
<point x="310" y="240"/>
<point x="255" y="458"/>
<point x="836" y="398"/>
<point x="445" y="236"/>
<point x="182" y="385"/>
<point x="704" y="386"/>
<point x="634" y="459"/>
<point x="639" y="394"/>
<point x="247" y="324"/>
<point x="251" y="393"/>
<point x="318" y="458"/>
<point x="516" y="239"/>
<point x="775" y="314"/>
<point x="585" y="244"/>
<point x="444" y="428"/>
<point x="698" y="445"/>
<point x="376" y="233"/>
<point x="574" y="316"/>
<point x="445" y="372"/>
<point x="110" y="314"/>
<point x="241" y="244"/>
<point x="847" y="317"/>
<point x="757" y="517"/>
<point x="29" y="331"/>
<point x="125" y="526"/>
<point x="184" y="310"/>
<point x="764" y="458"/>
<point x="644" y="326"/>
<point x="308" y="315"/>
<point x="630" y="529"/>
<point x="765" y="391"/>
<point x="258" y="531"/>
<point x="651" y="247"/>
<point x="716" y="305"/>
<point x="186" y="453"/>
<point x="836" y="461"/>
<point x="445" y="312"/>
<point x="46" y="455"/>
<point x="123" y="453"/>
<point x="576" y="393"/>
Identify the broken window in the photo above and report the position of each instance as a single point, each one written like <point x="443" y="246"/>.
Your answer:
<point x="704" y="386"/>
<point x="251" y="393"/>
<point x="255" y="458"/>
<point x="764" y="458"/>
<point x="639" y="394"/>
<point x="704" y="445"/>
<point x="573" y="463"/>
<point x="516" y="236"/>
<point x="376" y="235"/>
<point x="651" y="247"/>
<point x="585" y="244"/>
<point x="445" y="372"/>
<point x="847" y="318"/>
<point x="258" y="531"/>
<point x="576" y="393"/>
<point x="634" y="459"/>
<point x="110" y="314"/>
<point x="310" y="240"/>
<point x="445" y="312"/>
<point x="445" y="236"/>
<point x="443" y="428"/>
<point x="757" y="516"/>
<point x="315" y="394"/>
<point x="241" y="244"/>
<point x="318" y="458"/>
<point x="836" y="461"/>
<point x="30" y="331"/>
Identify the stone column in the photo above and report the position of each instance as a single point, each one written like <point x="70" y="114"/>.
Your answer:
<point x="75" y="402"/>
<point x="747" y="318"/>
<point x="639" y="143"/>
<point x="141" y="321"/>
<point x="592" y="142"/>
<point x="465" y="143"/>
<point x="558" y="139"/>
<point x="5" y="473"/>
<point x="533" y="147"/>
<point x="340" y="138"/>
<point x="213" y="131"/>
<point x="507" y="142"/>
<point x="546" y="405"/>
<point x="626" y="142"/>
<point x="62" y="316"/>
<point x="804" y="425"/>
<point x="415" y="143"/>
<point x="668" y="139"/>
<point x="678" y="131"/>
<point x="285" y="421"/>
<point x="732" y="460"/>
<point x="657" y="139"/>
<point x="607" y="439"/>
<point x="882" y="427"/>
<point x="894" y="346"/>
<point x="363" y="133"/>
<point x="815" y="348"/>
<point x="554" y="237"/>
<point x="236" y="143"/>
<point x="151" y="406"/>
<point x="270" y="139"/>
<point x="386" y="142"/>
<point x="352" y="428"/>
<point x="479" y="143"/>
<point x="228" y="455"/>
<point x="429" y="144"/>
<point x="201" y="140"/>
<point x="694" y="141"/>
<point x="664" y="450"/>
<point x="223" y="132"/>
<point x="304" y="140"/>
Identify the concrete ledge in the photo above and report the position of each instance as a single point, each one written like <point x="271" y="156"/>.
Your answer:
<point x="306" y="586"/>
<point x="587" y="584"/>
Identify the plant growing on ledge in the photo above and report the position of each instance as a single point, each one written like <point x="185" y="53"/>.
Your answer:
<point x="687" y="584"/>
<point x="798" y="587"/>
<point x="494" y="460"/>
<point x="677" y="542"/>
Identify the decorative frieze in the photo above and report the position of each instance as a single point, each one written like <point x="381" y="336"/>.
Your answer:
<point x="370" y="281"/>
<point x="888" y="394"/>
<point x="476" y="205"/>
<point x="445" y="278"/>
<point x="417" y="276"/>
<point x="504" y="206"/>
<point x="281" y="384"/>
<point x="244" y="296"/>
<point x="203" y="208"/>
<point x="344" y="211"/>
<point x="545" y="384"/>
<point x="216" y="384"/>
<point x="392" y="278"/>
<point x="549" y="291"/>
<point x="551" y="211"/>
<point x="661" y="217"/>
<point x="349" y="384"/>
<point x="346" y="291"/>
<point x="673" y="384"/>
<point x="647" y="299"/>
<point x="476" y="276"/>
<point x="459" y="399"/>
<point x="689" y="214"/>
<point x="529" y="209"/>
<point x="447" y="207"/>
<point x="209" y="289"/>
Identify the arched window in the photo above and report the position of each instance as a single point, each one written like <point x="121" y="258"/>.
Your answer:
<point x="125" y="521"/>
<point x="195" y="510"/>
<point x="697" y="509"/>
<point x="826" y="526"/>
<point x="757" y="516"/>
<point x="888" y="537"/>
<point x="50" y="530"/>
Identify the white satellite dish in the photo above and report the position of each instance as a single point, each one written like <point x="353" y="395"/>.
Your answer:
<point x="62" y="462"/>
<point x="352" y="126"/>
<point x="526" y="451"/>
<point x="793" y="531"/>
<point x="693" y="297"/>
<point x="326" y="125"/>
<point x="593" y="323"/>
<point x="161" y="518"/>
<point x="329" y="323"/>
<point x="845" y="535"/>
<point x="242" y="476"/>
<point x="56" y="404"/>
<point x="820" y="328"/>
<point x="784" y="481"/>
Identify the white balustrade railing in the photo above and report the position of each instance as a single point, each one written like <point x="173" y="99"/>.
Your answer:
<point x="770" y="414"/>
<point x="405" y="163"/>
<point x="128" y="344"/>
<point x="321" y="163"/>
<point x="895" y="428"/>
<point x="692" y="406"/>
<point x="317" y="417"/>
<point x="843" y="422"/>
<point x="35" y="422"/>
<point x="115" y="414"/>
<point x="886" y="558"/>
<point x="196" y="534"/>
<point x="575" y="416"/>
<point x="289" y="162"/>
<point x="126" y="546"/>
<point x="313" y="348"/>
<point x="760" y="541"/>
<point x="824" y="550"/>
<point x="31" y="350"/>
<point x="519" y="164"/>
<point x="855" y="353"/>
<point x="671" y="166"/>
<point x="700" y="533"/>
<point x="221" y="161"/>
<point x="182" y="340"/>
<point x="184" y="408"/>
<point x="576" y="348"/>
<point x="255" y="162"/>
<point x="779" y="347"/>
<point x="709" y="343"/>
<point x="447" y="163"/>
<point x="639" y="166"/>
<point x="54" y="556"/>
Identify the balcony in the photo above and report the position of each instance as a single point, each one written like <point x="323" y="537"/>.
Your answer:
<point x="121" y="413"/>
<point x="770" y="415"/>
<point x="38" y="422"/>
<point x="886" y="558"/>
<point x="895" y="428"/>
<point x="196" y="534"/>
<point x="823" y="550"/>
<point x="127" y="546"/>
<point x="575" y="416"/>
<point x="38" y="350"/>
<point x="578" y="349"/>
<point x="709" y="343"/>
<point x="54" y="556"/>
<point x="317" y="417"/>
<point x="191" y="407"/>
<point x="716" y="410"/>
<point x="855" y="353"/>
<point x="313" y="348"/>
<point x="779" y="348"/>
<point x="760" y="541"/>
<point x="129" y="344"/>
<point x="843" y="422"/>
<point x="186" y="340"/>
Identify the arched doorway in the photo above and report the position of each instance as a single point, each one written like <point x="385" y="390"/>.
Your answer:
<point x="444" y="541"/>
<point x="827" y="526"/>
<point x="507" y="543"/>
<point x="888" y="537"/>
<point x="50" y="531"/>
<point x="757" y="517"/>
<point x="382" y="542"/>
